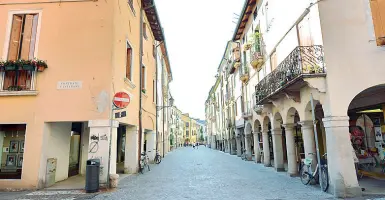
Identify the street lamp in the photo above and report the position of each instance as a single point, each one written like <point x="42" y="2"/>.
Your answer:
<point x="158" y="108"/>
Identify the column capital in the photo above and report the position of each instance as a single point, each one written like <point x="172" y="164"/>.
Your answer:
<point x="288" y="126"/>
<point x="276" y="131"/>
<point x="336" y="121"/>
<point x="256" y="133"/>
<point x="264" y="132"/>
<point x="306" y="124"/>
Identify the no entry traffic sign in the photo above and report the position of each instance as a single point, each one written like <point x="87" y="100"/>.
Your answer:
<point x="121" y="100"/>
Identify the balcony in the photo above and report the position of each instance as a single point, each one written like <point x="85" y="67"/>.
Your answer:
<point x="288" y="77"/>
<point x="256" y="56"/>
<point x="247" y="111"/>
<point x="236" y="54"/>
<point x="244" y="73"/>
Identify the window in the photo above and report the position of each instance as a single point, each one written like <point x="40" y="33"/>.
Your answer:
<point x="131" y="4"/>
<point x="21" y="46"/>
<point x="255" y="12"/>
<point x="129" y="62"/>
<point x="144" y="30"/>
<point x="378" y="16"/>
<point x="143" y="83"/>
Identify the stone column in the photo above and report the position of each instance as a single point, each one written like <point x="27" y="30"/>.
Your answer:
<point x="308" y="141"/>
<point x="131" y="154"/>
<point x="343" y="180"/>
<point x="256" y="148"/>
<point x="291" y="154"/>
<point x="278" y="150"/>
<point x="248" y="147"/>
<point x="239" y="150"/>
<point x="233" y="146"/>
<point x="99" y="146"/>
<point x="266" y="149"/>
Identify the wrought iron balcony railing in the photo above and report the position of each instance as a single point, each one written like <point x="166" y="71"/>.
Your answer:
<point x="302" y="61"/>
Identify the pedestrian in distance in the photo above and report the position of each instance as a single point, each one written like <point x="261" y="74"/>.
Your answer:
<point x="193" y="146"/>
<point x="197" y="145"/>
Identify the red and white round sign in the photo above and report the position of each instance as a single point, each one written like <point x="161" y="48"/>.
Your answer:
<point x="121" y="100"/>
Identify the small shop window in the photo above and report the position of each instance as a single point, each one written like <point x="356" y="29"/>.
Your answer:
<point x="12" y="141"/>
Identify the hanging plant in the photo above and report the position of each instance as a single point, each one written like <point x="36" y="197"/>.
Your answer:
<point x="144" y="91"/>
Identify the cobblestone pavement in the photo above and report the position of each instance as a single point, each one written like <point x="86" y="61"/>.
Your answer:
<point x="209" y="174"/>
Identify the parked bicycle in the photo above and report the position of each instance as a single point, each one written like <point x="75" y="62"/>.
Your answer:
<point x="144" y="162"/>
<point x="243" y="155"/>
<point x="157" y="158"/>
<point x="308" y="175"/>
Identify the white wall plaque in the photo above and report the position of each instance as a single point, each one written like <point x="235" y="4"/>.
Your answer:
<point x="69" y="85"/>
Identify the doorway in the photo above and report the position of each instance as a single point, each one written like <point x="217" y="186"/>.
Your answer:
<point x="120" y="149"/>
<point x="74" y="155"/>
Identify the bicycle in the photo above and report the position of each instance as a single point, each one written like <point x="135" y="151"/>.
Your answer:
<point x="307" y="175"/>
<point x="157" y="158"/>
<point x="243" y="155"/>
<point x="144" y="162"/>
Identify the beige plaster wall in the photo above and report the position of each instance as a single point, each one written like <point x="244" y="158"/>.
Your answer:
<point x="351" y="52"/>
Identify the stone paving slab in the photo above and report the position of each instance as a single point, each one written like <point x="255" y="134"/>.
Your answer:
<point x="204" y="173"/>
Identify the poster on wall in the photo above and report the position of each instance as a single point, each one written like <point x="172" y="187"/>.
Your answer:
<point x="14" y="146"/>
<point x="11" y="160"/>
<point x="21" y="146"/>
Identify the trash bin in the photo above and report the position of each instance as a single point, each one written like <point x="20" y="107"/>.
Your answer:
<point x="92" y="175"/>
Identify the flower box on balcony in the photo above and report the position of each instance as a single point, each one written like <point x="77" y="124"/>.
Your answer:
<point x="247" y="46"/>
<point x="244" y="77"/>
<point x="28" y="65"/>
<point x="237" y="64"/>
<point x="257" y="61"/>
<point x="14" y="88"/>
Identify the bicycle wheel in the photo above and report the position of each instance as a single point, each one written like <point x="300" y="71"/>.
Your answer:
<point x="324" y="178"/>
<point x="305" y="176"/>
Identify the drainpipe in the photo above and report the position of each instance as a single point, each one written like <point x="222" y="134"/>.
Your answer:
<point x="156" y="94"/>
<point x="141" y="86"/>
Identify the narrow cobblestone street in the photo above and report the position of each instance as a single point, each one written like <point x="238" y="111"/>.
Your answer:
<point x="209" y="174"/>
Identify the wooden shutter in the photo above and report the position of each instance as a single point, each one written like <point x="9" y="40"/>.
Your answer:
<point x="26" y="39"/>
<point x="129" y="63"/>
<point x="378" y="16"/>
<point x="304" y="33"/>
<point x="14" y="41"/>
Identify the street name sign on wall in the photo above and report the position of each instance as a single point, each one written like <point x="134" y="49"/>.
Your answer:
<point x="69" y="85"/>
<point x="121" y="100"/>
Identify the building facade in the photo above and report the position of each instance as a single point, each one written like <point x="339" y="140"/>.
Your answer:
<point x="295" y="81"/>
<point x="125" y="39"/>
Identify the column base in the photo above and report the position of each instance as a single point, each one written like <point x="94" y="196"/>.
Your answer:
<point x="280" y="169"/>
<point x="267" y="165"/>
<point x="258" y="161"/>
<point x="293" y="174"/>
<point x="345" y="192"/>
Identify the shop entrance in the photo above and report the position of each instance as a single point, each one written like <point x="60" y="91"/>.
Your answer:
<point x="367" y="134"/>
<point x="12" y="139"/>
<point x="74" y="155"/>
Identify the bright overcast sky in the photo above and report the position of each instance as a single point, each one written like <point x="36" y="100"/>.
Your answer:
<point x="196" y="35"/>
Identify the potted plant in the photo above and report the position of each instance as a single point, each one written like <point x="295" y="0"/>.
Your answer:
<point x="2" y="65"/>
<point x="144" y="91"/>
<point x="41" y="65"/>
<point x="237" y="64"/>
<point x="14" y="88"/>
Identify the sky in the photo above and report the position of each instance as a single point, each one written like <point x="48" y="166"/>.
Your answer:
<point x="197" y="32"/>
